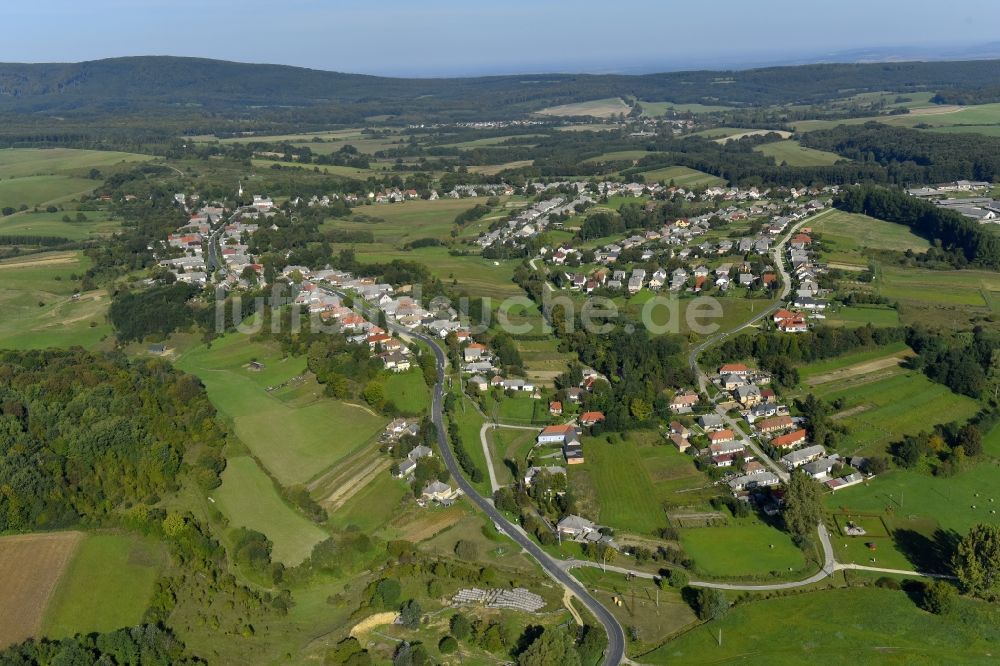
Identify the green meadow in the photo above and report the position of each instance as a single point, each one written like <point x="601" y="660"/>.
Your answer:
<point x="19" y="162"/>
<point x="108" y="585"/>
<point x="794" y="154"/>
<point x="843" y="626"/>
<point x="860" y="315"/>
<point x="408" y="391"/>
<point x="682" y="177"/>
<point x="471" y="273"/>
<point x="39" y="311"/>
<point x="296" y="434"/>
<point x="746" y="548"/>
<point x="29" y="223"/>
<point x="810" y="370"/>
<point x="249" y="499"/>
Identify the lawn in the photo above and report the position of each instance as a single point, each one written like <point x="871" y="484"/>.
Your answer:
<point x="408" y="391"/>
<point x="296" y="439"/>
<point x="745" y="549"/>
<point x="882" y="406"/>
<point x="39" y="311"/>
<point x="469" y="421"/>
<point x="682" y="177"/>
<point x="844" y="626"/>
<point x="108" y="585"/>
<point x="794" y="154"/>
<point x="249" y="499"/>
<point x="514" y="445"/>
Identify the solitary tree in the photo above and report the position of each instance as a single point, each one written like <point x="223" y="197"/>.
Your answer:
<point x="977" y="562"/>
<point x="803" y="506"/>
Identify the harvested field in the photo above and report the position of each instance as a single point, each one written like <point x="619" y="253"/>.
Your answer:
<point x="30" y="568"/>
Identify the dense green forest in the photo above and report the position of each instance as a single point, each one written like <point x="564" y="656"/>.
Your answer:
<point x="913" y="156"/>
<point x="86" y="435"/>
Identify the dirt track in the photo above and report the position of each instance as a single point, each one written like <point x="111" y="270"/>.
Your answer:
<point x="31" y="566"/>
<point x="858" y="369"/>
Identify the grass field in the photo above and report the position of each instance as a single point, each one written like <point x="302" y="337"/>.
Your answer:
<point x="659" y="108"/>
<point x="51" y="224"/>
<point x="844" y="626"/>
<point x="19" y="162"/>
<point x="850" y="364"/>
<point x="296" y="434"/>
<point x="963" y="288"/>
<point x="408" y="391"/>
<point x="375" y="505"/>
<point x="249" y="499"/>
<point x="39" y="311"/>
<point x="395" y="225"/>
<point x="598" y="108"/>
<point x="40" y="190"/>
<point x="883" y="405"/>
<point x="745" y="549"/>
<point x="850" y="234"/>
<point x="794" y="154"/>
<point x="626" y="497"/>
<point x="472" y="273"/>
<point x="682" y="177"/>
<point x="31" y="566"/>
<point x="107" y="586"/>
<point x="620" y="155"/>
<point x="860" y="315"/>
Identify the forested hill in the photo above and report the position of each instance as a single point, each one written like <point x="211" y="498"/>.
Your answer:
<point x="123" y="85"/>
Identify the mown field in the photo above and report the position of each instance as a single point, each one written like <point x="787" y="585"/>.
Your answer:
<point x="745" y="548"/>
<point x="850" y="364"/>
<point x="844" y="626"/>
<point x="31" y="566"/>
<point x="38" y="309"/>
<point x="108" y="585"/>
<point x="881" y="406"/>
<point x="249" y="499"/>
<point x="794" y="154"/>
<point x="478" y="277"/>
<point x="630" y="485"/>
<point x="860" y="315"/>
<point x="29" y="223"/>
<point x="20" y="162"/>
<point x="847" y="235"/>
<point x="598" y="108"/>
<point x="408" y="391"/>
<point x="295" y="433"/>
<point x="682" y="177"/>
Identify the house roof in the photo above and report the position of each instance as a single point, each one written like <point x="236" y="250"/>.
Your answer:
<point x="790" y="438"/>
<point x="722" y="435"/>
<point x="730" y="368"/>
<point x="558" y="429"/>
<point x="592" y="416"/>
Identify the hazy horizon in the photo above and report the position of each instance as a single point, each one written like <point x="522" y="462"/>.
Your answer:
<point x="449" y="38"/>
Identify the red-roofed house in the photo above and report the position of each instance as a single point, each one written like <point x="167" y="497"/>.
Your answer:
<point x="734" y="369"/>
<point x="556" y="434"/>
<point x="721" y="437"/>
<point x="555" y="408"/>
<point x="789" y="441"/>
<point x="775" y="424"/>
<point x="590" y="418"/>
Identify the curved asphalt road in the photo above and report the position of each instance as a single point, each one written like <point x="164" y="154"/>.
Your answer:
<point x="616" y="636"/>
<point x="614" y="654"/>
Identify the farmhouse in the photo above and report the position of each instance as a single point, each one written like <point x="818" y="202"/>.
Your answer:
<point x="588" y="419"/>
<point x="575" y="527"/>
<point x="474" y="352"/>
<point x="798" y="458"/>
<point x="775" y="424"/>
<point x="677" y="428"/>
<point x="789" y="441"/>
<point x="479" y="382"/>
<point x="557" y="434"/>
<point x="555" y="408"/>
<point x="438" y="492"/>
<point x="751" y="481"/>
<point x="682" y="403"/>
<point x="734" y="369"/>
<point x="721" y="436"/>
<point x="820" y="468"/>
<point x="748" y="395"/>
<point x="710" y="422"/>
<point x="680" y="442"/>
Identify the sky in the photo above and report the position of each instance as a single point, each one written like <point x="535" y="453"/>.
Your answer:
<point x="469" y="37"/>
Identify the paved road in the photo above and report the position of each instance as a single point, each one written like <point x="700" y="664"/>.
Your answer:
<point x="615" y="652"/>
<point x="494" y="484"/>
<point x="777" y="253"/>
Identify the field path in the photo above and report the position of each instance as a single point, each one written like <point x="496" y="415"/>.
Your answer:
<point x="860" y="369"/>
<point x="31" y="566"/>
